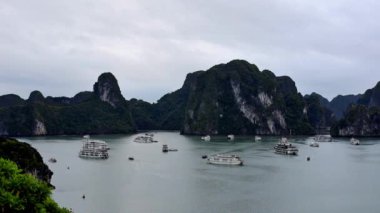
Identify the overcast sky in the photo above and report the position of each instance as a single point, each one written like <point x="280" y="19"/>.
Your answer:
<point x="61" y="47"/>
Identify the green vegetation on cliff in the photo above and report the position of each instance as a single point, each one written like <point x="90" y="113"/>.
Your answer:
<point x="21" y="192"/>
<point x="235" y="98"/>
<point x="361" y="118"/>
<point x="232" y="98"/>
<point x="104" y="111"/>
<point x="26" y="157"/>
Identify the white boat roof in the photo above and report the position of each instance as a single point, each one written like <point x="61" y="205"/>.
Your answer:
<point x="95" y="141"/>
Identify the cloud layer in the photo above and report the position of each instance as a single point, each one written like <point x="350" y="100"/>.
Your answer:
<point x="60" y="47"/>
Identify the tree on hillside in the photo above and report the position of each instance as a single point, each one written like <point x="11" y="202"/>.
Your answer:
<point x="23" y="192"/>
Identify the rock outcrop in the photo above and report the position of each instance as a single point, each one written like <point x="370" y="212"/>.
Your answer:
<point x="238" y="98"/>
<point x="36" y="96"/>
<point x="107" y="89"/>
<point x="362" y="119"/>
<point x="26" y="157"/>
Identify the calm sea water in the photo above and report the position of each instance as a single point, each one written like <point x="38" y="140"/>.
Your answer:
<point x="339" y="178"/>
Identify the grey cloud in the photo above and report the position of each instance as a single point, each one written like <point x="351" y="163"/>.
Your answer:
<point x="60" y="47"/>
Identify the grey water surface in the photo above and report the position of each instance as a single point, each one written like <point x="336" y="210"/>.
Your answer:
<point x="339" y="177"/>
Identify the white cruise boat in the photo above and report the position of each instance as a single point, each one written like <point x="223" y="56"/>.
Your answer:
<point x="94" y="149"/>
<point x="354" y="141"/>
<point x="206" y="138"/>
<point x="285" y="148"/>
<point x="222" y="159"/>
<point x="257" y="138"/>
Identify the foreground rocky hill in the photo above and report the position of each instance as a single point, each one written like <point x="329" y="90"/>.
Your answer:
<point x="26" y="157"/>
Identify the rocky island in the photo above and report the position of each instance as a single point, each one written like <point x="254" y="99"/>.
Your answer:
<point x="232" y="98"/>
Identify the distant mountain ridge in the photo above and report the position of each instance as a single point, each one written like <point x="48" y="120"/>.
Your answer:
<point x="102" y="111"/>
<point x="361" y="118"/>
<point x="231" y="98"/>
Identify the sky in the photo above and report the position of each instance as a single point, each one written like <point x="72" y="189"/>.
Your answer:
<point x="60" y="47"/>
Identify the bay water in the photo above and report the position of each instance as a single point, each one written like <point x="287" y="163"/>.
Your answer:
<point x="339" y="177"/>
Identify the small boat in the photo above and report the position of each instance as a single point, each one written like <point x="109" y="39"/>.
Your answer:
<point x="257" y="138"/>
<point x="230" y="137"/>
<point x="285" y="148"/>
<point x="53" y="160"/>
<point x="165" y="148"/>
<point x="144" y="139"/>
<point x="354" y="141"/>
<point x="204" y="156"/>
<point x="131" y="158"/>
<point x="206" y="138"/>
<point x="323" y="138"/>
<point x="149" y="134"/>
<point x="314" y="144"/>
<point x="223" y="159"/>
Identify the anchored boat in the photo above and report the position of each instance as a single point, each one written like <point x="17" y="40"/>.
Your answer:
<point x="230" y="137"/>
<point x="144" y="139"/>
<point x="222" y="159"/>
<point x="206" y="138"/>
<point x="94" y="149"/>
<point x="314" y="144"/>
<point x="354" y="141"/>
<point x="285" y="148"/>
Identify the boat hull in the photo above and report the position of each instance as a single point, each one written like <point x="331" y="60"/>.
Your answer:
<point x="240" y="163"/>
<point x="229" y="160"/>
<point x="93" y="157"/>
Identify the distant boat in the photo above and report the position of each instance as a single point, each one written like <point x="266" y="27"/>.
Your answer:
<point x="147" y="138"/>
<point x="165" y="148"/>
<point x="314" y="144"/>
<point x="230" y="137"/>
<point x="53" y="160"/>
<point x="206" y="138"/>
<point x="354" y="141"/>
<point x="257" y="138"/>
<point x="285" y="148"/>
<point x="149" y="134"/>
<point x="323" y="138"/>
<point x="222" y="159"/>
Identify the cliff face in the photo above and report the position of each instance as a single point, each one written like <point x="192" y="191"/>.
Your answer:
<point x="107" y="90"/>
<point x="26" y="157"/>
<point x="318" y="112"/>
<point x="99" y="112"/>
<point x="233" y="98"/>
<point x="238" y="98"/>
<point x="361" y="118"/>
